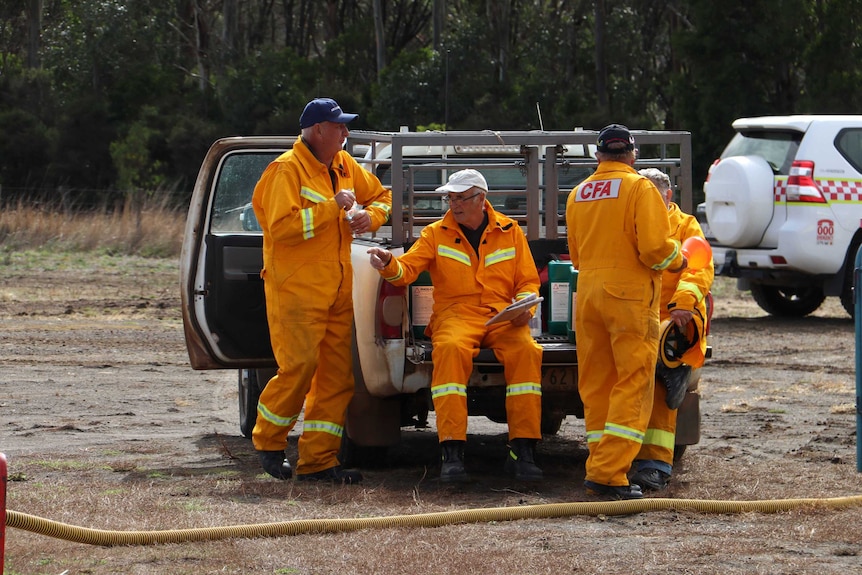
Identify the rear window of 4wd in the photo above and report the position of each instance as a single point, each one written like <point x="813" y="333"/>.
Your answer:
<point x="778" y="148"/>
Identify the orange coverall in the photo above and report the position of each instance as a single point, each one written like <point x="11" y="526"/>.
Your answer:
<point x="308" y="280"/>
<point x="470" y="289"/>
<point x="619" y="240"/>
<point x="685" y="290"/>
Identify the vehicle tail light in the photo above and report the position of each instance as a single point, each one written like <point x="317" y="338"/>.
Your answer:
<point x="709" y="172"/>
<point x="801" y="186"/>
<point x="390" y="311"/>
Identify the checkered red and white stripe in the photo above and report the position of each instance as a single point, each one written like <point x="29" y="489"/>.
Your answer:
<point x="833" y="190"/>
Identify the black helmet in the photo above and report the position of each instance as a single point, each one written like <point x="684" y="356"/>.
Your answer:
<point x="673" y="342"/>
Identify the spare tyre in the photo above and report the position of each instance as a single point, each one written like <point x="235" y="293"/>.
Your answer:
<point x="739" y="200"/>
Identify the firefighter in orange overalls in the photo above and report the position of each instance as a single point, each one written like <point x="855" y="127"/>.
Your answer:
<point x="479" y="262"/>
<point x="619" y="240"/>
<point x="309" y="202"/>
<point x="683" y="301"/>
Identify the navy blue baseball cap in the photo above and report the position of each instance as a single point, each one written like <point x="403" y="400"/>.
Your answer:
<point x="324" y="110"/>
<point x="615" y="138"/>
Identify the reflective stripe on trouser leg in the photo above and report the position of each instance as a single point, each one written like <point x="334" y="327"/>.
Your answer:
<point x="456" y="336"/>
<point x="617" y="368"/>
<point x="521" y="357"/>
<point x="331" y="391"/>
<point x="660" y="436"/>
<point x="282" y="399"/>
<point x="298" y="326"/>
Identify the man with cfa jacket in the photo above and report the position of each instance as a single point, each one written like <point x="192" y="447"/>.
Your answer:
<point x="619" y="240"/>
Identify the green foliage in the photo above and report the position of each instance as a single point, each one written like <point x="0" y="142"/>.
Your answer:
<point x="133" y="156"/>
<point x="410" y="91"/>
<point x="20" y="156"/>
<point x="266" y="92"/>
<point x="132" y="93"/>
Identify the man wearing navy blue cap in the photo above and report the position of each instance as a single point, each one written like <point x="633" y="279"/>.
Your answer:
<point x="310" y="201"/>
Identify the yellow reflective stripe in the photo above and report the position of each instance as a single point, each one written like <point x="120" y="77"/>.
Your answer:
<point x="397" y="275"/>
<point x="448" y="389"/>
<point x="669" y="259"/>
<point x="523" y="389"/>
<point x="594" y="436"/>
<point x="499" y="256"/>
<point x="522" y="295"/>
<point x="660" y="438"/>
<point x="311" y="195"/>
<point x="692" y="287"/>
<point x="454" y="254"/>
<point x="624" y="432"/>
<point x="307" y="218"/>
<point x="382" y="205"/>
<point x="275" y="419"/>
<point x="322" y="427"/>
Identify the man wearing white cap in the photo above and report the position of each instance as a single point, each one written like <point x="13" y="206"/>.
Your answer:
<point x="479" y="262"/>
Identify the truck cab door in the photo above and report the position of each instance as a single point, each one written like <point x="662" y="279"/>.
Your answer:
<point x="223" y="305"/>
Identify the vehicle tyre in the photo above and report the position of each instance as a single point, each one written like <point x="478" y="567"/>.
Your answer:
<point x="678" y="452"/>
<point x="847" y="300"/>
<point x="363" y="456"/>
<point x="787" y="301"/>
<point x="251" y="383"/>
<point x="551" y="423"/>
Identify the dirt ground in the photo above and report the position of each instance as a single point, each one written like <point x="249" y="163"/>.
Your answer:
<point x="105" y="426"/>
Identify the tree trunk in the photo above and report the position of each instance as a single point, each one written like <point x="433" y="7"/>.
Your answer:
<point x="601" y="67"/>
<point x="379" y="37"/>
<point x="438" y="22"/>
<point x="229" y="34"/>
<point x="34" y="32"/>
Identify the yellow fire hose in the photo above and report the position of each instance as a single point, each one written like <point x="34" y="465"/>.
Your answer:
<point x="303" y="526"/>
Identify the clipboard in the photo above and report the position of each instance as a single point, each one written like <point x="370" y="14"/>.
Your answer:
<point x="515" y="309"/>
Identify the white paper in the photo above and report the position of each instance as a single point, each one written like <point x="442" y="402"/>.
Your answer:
<point x="515" y="309"/>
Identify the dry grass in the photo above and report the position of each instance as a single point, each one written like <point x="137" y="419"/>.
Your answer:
<point x="109" y="429"/>
<point x="154" y="230"/>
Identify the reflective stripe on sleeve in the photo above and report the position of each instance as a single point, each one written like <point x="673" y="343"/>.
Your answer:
<point x="691" y="287"/>
<point x="307" y="218"/>
<point x="311" y="195"/>
<point x="397" y="275"/>
<point x="669" y="259"/>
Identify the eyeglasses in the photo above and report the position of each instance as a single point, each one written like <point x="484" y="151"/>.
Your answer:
<point x="449" y="199"/>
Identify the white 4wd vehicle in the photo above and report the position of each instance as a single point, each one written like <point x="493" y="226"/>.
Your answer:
<point x="223" y="298"/>
<point x="784" y="207"/>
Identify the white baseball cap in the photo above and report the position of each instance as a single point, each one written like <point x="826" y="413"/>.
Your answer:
<point x="463" y="180"/>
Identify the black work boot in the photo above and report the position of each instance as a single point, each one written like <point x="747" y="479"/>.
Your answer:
<point x="520" y="463"/>
<point x="333" y="475"/>
<point x="275" y="463"/>
<point x="675" y="380"/>
<point x="452" y="466"/>
<point x="614" y="492"/>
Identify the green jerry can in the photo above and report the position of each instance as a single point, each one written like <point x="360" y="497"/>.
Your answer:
<point x="559" y="293"/>
<point x="421" y="302"/>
